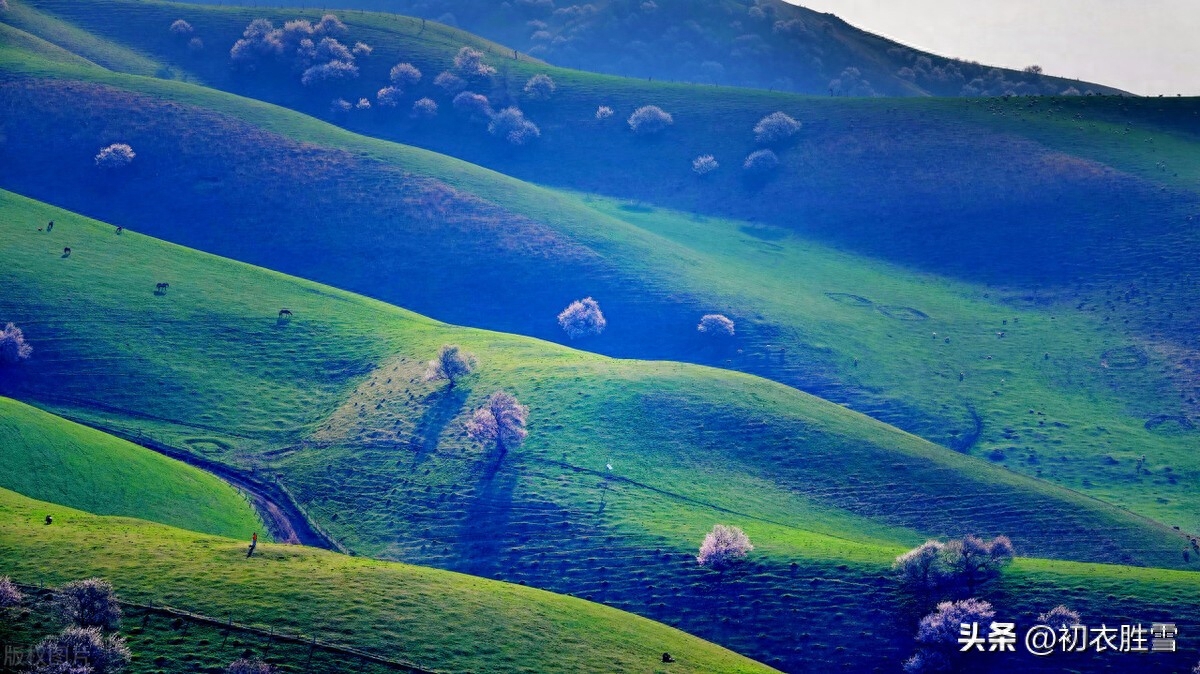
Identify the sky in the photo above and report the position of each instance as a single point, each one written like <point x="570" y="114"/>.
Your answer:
<point x="1145" y="47"/>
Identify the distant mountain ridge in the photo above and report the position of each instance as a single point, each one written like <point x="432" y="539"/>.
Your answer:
<point x="768" y="44"/>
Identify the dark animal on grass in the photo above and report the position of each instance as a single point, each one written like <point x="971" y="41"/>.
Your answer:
<point x="50" y="226"/>
<point x="66" y="252"/>
<point x="285" y="313"/>
<point x="120" y="229"/>
<point x="667" y="658"/>
<point x="160" y="288"/>
<point x="49" y="520"/>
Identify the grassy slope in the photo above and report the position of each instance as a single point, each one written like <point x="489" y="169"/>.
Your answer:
<point x="51" y="459"/>
<point x="775" y="285"/>
<point x="332" y="402"/>
<point x="392" y="610"/>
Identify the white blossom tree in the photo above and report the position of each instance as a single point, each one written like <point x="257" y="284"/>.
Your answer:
<point x="469" y="63"/>
<point x="604" y="112"/>
<point x="760" y="162"/>
<point x="582" y="318"/>
<point x="405" y="75"/>
<point x="86" y="646"/>
<point x="10" y="596"/>
<point x="705" y="164"/>
<point x="511" y="125"/>
<point x="88" y="603"/>
<point x="723" y="546"/>
<point x="715" y="325"/>
<point x="775" y="128"/>
<point x="115" y="156"/>
<point x="13" y="347"/>
<point x="425" y="108"/>
<point x="500" y="422"/>
<point x="1059" y="617"/>
<point x="540" y="87"/>
<point x="649" y="120"/>
<point x="181" y="28"/>
<point x="449" y="83"/>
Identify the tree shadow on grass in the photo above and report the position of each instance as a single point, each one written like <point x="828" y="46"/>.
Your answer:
<point x="442" y="406"/>
<point x="489" y="516"/>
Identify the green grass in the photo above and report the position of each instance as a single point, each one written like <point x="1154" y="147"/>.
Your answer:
<point x="51" y="459"/>
<point x="332" y="403"/>
<point x="441" y="621"/>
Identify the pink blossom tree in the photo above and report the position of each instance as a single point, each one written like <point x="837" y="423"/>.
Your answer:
<point x="723" y="546"/>
<point x="469" y="63"/>
<point x="88" y="603"/>
<point x="500" y="422"/>
<point x="405" y="75"/>
<point x="649" y="120"/>
<point x="115" y="156"/>
<point x="775" y="128"/>
<point x="715" y="325"/>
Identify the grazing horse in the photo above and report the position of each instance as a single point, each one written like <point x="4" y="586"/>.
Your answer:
<point x="160" y="288"/>
<point x="66" y="252"/>
<point x="120" y="229"/>
<point x="285" y="313"/>
<point x="50" y="227"/>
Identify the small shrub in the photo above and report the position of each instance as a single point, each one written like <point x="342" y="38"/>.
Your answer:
<point x="389" y="97"/>
<point x="540" y="87"/>
<point x="405" y="75"/>
<point x="469" y="64"/>
<point x="363" y="104"/>
<point x="582" y="318"/>
<point x="115" y="156"/>
<point x="760" y="163"/>
<point x="330" y="25"/>
<point x="604" y="112"/>
<point x="331" y="71"/>
<point x="10" y="596"/>
<point x="969" y="560"/>
<point x="649" y="120"/>
<point x="775" y="128"/>
<point x="511" y="125"/>
<point x="715" y="325"/>
<point x="362" y="49"/>
<point x="451" y="364"/>
<point x="181" y="28"/>
<point x="245" y="666"/>
<point x="500" y="422"/>
<point x="722" y="547"/>
<point x="195" y="45"/>
<point x="474" y="105"/>
<point x="705" y="164"/>
<point x="13" y="347"/>
<point x="449" y="83"/>
<point x="340" y="105"/>
<point x="1059" y="617"/>
<point x="425" y="108"/>
<point x="84" y="650"/>
<point x="88" y="603"/>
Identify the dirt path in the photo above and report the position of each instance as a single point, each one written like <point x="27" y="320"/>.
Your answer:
<point x="284" y="519"/>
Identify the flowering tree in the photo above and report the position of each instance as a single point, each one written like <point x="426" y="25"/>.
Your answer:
<point x="943" y="627"/>
<point x="1059" y="617"/>
<point x="511" y="125"/>
<point x="723" y="546"/>
<point x="245" y="666"/>
<point x="451" y="364"/>
<point x="775" y="128"/>
<point x="88" y="603"/>
<point x="449" y="82"/>
<point x="582" y="318"/>
<point x="705" y="164"/>
<point x="969" y="560"/>
<point x="405" y="75"/>
<point x="330" y="25"/>
<point x="500" y="422"/>
<point x="474" y="105"/>
<point x="13" y="347"/>
<point x="469" y="64"/>
<point x="760" y="162"/>
<point x="649" y="120"/>
<point x="362" y="49"/>
<point x="10" y="596"/>
<point x="389" y="97"/>
<point x="340" y="105"/>
<point x="604" y="112"/>
<point x="84" y="648"/>
<point x="425" y="108"/>
<point x="195" y="45"/>
<point x="181" y="28"/>
<point x="715" y="325"/>
<point x="540" y="87"/>
<point x="115" y="156"/>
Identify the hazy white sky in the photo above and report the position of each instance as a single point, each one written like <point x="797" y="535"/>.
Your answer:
<point x="1141" y="46"/>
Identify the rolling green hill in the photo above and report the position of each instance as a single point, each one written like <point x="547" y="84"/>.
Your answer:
<point x="331" y="403"/>
<point x="439" y="621"/>
<point x="51" y="459"/>
<point x="764" y="44"/>
<point x="921" y="352"/>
